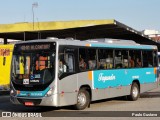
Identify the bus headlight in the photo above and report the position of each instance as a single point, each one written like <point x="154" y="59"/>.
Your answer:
<point x="50" y="92"/>
<point x="12" y="92"/>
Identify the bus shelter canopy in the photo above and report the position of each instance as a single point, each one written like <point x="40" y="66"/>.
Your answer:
<point x="81" y="30"/>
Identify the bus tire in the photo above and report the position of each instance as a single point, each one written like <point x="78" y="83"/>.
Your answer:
<point x="83" y="99"/>
<point x="135" y="92"/>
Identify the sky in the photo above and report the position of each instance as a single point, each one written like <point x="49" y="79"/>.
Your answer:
<point x="138" y="14"/>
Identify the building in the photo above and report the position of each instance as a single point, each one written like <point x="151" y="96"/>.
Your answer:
<point x="153" y="34"/>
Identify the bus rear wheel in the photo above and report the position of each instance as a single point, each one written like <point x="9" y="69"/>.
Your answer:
<point x="135" y="92"/>
<point x="83" y="99"/>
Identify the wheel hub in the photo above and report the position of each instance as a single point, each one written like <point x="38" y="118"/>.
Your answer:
<point x="135" y="92"/>
<point x="81" y="99"/>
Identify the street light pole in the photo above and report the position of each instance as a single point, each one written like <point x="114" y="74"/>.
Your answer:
<point x="34" y="5"/>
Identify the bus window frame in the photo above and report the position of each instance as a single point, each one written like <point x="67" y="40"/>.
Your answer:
<point x="62" y="50"/>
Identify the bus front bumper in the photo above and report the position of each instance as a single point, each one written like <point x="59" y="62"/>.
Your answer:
<point x="43" y="101"/>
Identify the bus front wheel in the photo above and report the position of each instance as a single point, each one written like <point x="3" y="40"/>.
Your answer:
<point x="135" y="92"/>
<point x="83" y="99"/>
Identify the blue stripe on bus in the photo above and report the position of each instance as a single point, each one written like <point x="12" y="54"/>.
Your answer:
<point x="33" y="93"/>
<point x="125" y="46"/>
<point x="122" y="77"/>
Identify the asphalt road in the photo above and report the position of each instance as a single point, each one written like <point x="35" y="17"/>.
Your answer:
<point x="148" y="102"/>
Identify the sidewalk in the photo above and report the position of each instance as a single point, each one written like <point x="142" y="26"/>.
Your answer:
<point x="155" y="90"/>
<point x="152" y="93"/>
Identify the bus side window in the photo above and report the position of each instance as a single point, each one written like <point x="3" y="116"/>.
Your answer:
<point x="118" y="59"/>
<point x="105" y="59"/>
<point x="138" y="61"/>
<point x="131" y="58"/>
<point x="92" y="62"/>
<point x="82" y="59"/>
<point x="82" y="64"/>
<point x="155" y="57"/>
<point x="66" y="63"/>
<point x="69" y="61"/>
<point x="62" y="66"/>
<point x="147" y="59"/>
<point x="125" y="60"/>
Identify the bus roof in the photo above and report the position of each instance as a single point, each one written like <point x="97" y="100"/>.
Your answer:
<point x="109" y="43"/>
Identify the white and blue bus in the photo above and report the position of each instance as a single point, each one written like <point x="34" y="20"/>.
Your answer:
<point x="62" y="72"/>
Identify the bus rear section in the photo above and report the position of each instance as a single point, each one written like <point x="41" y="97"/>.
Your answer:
<point x="5" y="65"/>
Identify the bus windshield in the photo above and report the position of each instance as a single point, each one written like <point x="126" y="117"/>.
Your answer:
<point x="36" y="68"/>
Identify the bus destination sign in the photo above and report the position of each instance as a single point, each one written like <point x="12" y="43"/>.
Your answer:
<point x="35" y="47"/>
